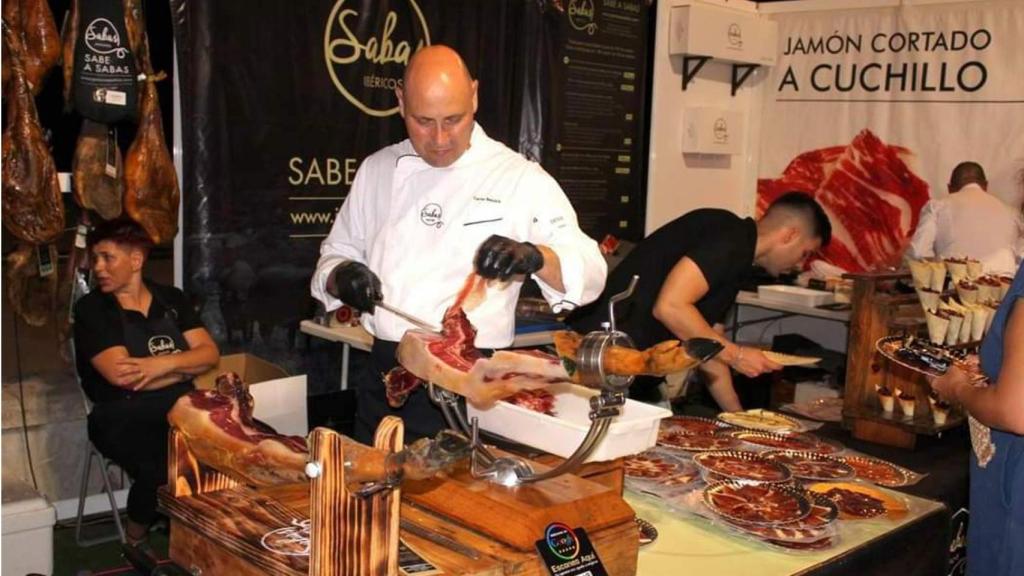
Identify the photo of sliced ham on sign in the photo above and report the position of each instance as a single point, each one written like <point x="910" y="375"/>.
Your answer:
<point x="869" y="192"/>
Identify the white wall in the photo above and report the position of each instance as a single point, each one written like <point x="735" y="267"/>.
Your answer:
<point x="677" y="184"/>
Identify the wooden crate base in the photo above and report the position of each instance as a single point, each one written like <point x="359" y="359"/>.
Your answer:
<point x="221" y="533"/>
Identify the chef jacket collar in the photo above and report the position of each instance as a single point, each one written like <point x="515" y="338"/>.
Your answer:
<point x="478" y="141"/>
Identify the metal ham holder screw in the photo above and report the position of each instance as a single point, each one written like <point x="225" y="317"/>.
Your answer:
<point x="604" y="407"/>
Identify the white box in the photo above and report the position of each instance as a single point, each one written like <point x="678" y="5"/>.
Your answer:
<point x="712" y="131"/>
<point x="723" y="34"/>
<point x="281" y="404"/>
<point x="795" y="295"/>
<point x="28" y="521"/>
<point x="633" y="431"/>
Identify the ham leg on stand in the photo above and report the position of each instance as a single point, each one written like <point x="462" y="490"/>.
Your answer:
<point x="450" y="360"/>
<point x="220" y="431"/>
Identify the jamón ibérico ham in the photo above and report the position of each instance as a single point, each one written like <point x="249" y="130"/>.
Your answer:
<point x="220" y="431"/>
<point x="450" y="360"/>
<point x="872" y="197"/>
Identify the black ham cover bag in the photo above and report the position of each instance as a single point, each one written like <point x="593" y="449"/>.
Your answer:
<point x="105" y="85"/>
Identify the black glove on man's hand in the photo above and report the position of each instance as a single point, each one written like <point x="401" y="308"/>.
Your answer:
<point x="357" y="286"/>
<point x="500" y="257"/>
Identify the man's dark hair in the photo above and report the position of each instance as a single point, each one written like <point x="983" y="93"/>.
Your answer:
<point x="967" y="173"/>
<point x="807" y="208"/>
<point x="123" y="232"/>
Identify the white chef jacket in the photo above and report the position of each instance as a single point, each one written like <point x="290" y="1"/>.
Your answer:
<point x="970" y="223"/>
<point x="418" y="227"/>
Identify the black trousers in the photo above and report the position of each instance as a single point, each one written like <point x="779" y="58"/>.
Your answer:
<point x="423" y="419"/>
<point x="132" y="432"/>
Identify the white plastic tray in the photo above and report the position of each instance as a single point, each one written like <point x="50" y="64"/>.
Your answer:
<point x="795" y="295"/>
<point x="632" y="432"/>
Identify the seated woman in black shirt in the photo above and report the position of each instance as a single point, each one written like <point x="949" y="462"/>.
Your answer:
<point x="137" y="347"/>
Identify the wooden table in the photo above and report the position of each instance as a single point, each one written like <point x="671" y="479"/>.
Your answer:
<point x="784" y="309"/>
<point x="357" y="337"/>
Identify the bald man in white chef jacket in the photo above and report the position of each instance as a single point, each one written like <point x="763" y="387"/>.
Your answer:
<point x="426" y="212"/>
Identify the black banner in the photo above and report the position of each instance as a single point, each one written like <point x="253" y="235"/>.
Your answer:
<point x="282" y="101"/>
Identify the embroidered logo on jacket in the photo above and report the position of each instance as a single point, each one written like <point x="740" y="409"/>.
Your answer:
<point x="431" y="215"/>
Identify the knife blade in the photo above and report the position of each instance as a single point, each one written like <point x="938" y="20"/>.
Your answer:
<point x="420" y="323"/>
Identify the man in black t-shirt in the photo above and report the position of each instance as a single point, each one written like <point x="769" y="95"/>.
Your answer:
<point x="690" y="271"/>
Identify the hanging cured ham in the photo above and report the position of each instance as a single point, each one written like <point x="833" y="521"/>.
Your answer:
<point x="32" y="295"/>
<point x="151" y="194"/>
<point x="32" y="206"/>
<point x="33" y="24"/>
<point x="98" y="171"/>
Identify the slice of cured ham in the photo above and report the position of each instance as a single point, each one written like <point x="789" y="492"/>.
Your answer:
<point x="33" y="209"/>
<point x="220" y="430"/>
<point x="151" y="194"/>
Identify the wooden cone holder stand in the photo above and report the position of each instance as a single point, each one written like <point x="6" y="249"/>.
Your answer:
<point x="877" y="313"/>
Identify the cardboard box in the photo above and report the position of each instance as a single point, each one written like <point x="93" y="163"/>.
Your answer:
<point x="280" y="399"/>
<point x="252" y="369"/>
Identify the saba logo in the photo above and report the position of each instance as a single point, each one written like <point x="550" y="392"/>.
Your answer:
<point x="161" y="345"/>
<point x="735" y="36"/>
<point x="102" y="38"/>
<point x="721" y="130"/>
<point x="431" y="215"/>
<point x="562" y="541"/>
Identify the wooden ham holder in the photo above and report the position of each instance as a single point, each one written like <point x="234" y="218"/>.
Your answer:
<point x="877" y="311"/>
<point x="461" y="524"/>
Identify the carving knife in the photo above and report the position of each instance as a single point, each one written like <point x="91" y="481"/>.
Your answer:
<point x="409" y="317"/>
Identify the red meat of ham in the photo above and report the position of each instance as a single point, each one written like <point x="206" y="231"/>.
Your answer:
<point x="871" y="196"/>
<point x="450" y="360"/>
<point x="539" y="400"/>
<point x="220" y="430"/>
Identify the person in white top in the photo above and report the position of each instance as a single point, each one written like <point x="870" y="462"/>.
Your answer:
<point x="425" y="213"/>
<point x="970" y="223"/>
